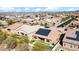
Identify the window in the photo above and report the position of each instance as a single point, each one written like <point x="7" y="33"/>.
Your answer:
<point x="47" y="40"/>
<point x="35" y="37"/>
<point x="52" y="43"/>
<point x="22" y="33"/>
<point x="41" y="38"/>
<point x="8" y="29"/>
<point x="70" y="46"/>
<point x="74" y="46"/>
<point x="62" y="50"/>
<point x="64" y="44"/>
<point x="18" y="32"/>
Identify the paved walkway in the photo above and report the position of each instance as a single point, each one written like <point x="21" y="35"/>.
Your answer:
<point x="55" y="47"/>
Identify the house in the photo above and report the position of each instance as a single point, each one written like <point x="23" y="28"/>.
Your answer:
<point x="23" y="29"/>
<point x="28" y="20"/>
<point x="71" y="39"/>
<point x="27" y="29"/>
<point x="76" y="23"/>
<point x="50" y="35"/>
<point x="14" y="26"/>
<point x="49" y="20"/>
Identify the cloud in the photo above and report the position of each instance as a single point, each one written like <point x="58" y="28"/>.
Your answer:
<point x="26" y="9"/>
<point x="3" y="8"/>
<point x="38" y="9"/>
<point x="51" y="8"/>
<point x="6" y="8"/>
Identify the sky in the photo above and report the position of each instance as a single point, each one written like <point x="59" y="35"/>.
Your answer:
<point x="38" y="5"/>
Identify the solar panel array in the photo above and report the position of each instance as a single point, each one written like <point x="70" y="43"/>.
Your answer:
<point x="43" y="32"/>
<point x="77" y="37"/>
<point x="71" y="38"/>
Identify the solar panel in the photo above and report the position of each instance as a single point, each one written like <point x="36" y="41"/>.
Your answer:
<point x="44" y="32"/>
<point x="71" y="38"/>
<point x="77" y="33"/>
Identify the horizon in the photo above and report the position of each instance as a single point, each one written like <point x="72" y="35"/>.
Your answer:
<point x="37" y="9"/>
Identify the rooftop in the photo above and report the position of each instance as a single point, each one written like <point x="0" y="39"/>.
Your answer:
<point x="72" y="36"/>
<point x="28" y="29"/>
<point x="47" y="33"/>
<point x="15" y="26"/>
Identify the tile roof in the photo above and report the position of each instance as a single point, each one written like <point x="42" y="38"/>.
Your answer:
<point x="76" y="22"/>
<point x="54" y="33"/>
<point x="15" y="26"/>
<point x="71" y="33"/>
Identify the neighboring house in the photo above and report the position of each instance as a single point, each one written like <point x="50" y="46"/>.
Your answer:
<point x="76" y="23"/>
<point x="50" y="35"/>
<point x="71" y="39"/>
<point x="49" y="20"/>
<point x="28" y="20"/>
<point x="14" y="26"/>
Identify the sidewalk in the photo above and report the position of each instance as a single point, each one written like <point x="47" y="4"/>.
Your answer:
<point x="55" y="47"/>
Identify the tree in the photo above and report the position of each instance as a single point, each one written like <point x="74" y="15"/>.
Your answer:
<point x="41" y="46"/>
<point x="9" y="21"/>
<point x="23" y="39"/>
<point x="77" y="26"/>
<point x="10" y="42"/>
<point x="3" y="36"/>
<point x="46" y="25"/>
<point x="65" y="18"/>
<point x="22" y="47"/>
<point x="53" y="23"/>
<point x="1" y="25"/>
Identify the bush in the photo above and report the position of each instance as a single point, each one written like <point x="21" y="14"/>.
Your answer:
<point x="22" y="47"/>
<point x="10" y="43"/>
<point x="41" y="46"/>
